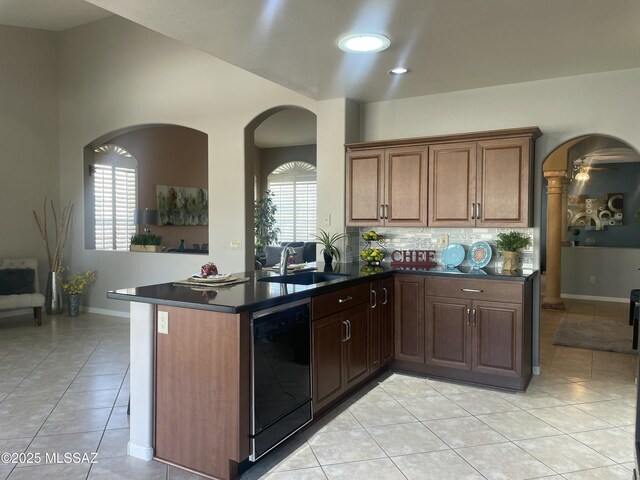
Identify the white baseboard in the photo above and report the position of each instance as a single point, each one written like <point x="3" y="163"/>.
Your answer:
<point x="104" y="311"/>
<point x="595" y="298"/>
<point x="15" y="313"/>
<point x="138" y="451"/>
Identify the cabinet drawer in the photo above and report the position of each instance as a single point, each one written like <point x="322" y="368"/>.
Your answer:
<point x="333" y="302"/>
<point x="494" y="290"/>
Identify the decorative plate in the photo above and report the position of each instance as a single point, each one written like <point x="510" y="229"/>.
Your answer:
<point x="453" y="255"/>
<point x="479" y="254"/>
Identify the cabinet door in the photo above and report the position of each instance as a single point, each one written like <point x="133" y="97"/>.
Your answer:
<point x="356" y="354"/>
<point x="406" y="186"/>
<point x="447" y="332"/>
<point x="497" y="338"/>
<point x="375" y="327"/>
<point x="452" y="184"/>
<point x="328" y="334"/>
<point x="365" y="187"/>
<point x="504" y="183"/>
<point x="386" y="317"/>
<point x="409" y="318"/>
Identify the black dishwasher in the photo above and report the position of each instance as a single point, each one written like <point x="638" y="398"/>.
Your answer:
<point x="280" y="375"/>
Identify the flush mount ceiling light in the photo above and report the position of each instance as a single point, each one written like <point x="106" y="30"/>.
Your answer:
<point x="364" y="43"/>
<point x="399" y="71"/>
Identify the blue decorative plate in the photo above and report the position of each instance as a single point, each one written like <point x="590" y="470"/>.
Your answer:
<point x="479" y="254"/>
<point x="453" y="255"/>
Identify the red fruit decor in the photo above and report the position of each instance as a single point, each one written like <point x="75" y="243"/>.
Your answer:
<point x="208" y="269"/>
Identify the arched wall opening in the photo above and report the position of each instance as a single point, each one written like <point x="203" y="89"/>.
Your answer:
<point x="170" y="159"/>
<point x="274" y="138"/>
<point x="591" y="186"/>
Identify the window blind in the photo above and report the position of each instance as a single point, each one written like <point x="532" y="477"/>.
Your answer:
<point x="115" y="202"/>
<point x="295" y="198"/>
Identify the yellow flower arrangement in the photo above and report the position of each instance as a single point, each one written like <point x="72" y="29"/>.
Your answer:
<point x="75" y="284"/>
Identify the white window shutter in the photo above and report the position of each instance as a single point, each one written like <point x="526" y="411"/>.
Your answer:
<point x="115" y="203"/>
<point x="294" y="189"/>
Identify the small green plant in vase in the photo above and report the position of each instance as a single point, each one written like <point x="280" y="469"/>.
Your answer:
<point x="329" y="248"/>
<point x="509" y="243"/>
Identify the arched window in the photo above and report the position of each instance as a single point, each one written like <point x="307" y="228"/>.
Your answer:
<point x="113" y="189"/>
<point x="294" y="188"/>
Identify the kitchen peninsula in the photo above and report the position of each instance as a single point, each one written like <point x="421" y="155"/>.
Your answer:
<point x="192" y="348"/>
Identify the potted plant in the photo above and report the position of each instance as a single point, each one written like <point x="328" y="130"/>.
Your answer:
<point x="73" y="286"/>
<point x="575" y="233"/>
<point x="329" y="249"/>
<point x="145" y="242"/>
<point x="509" y="243"/>
<point x="264" y="217"/>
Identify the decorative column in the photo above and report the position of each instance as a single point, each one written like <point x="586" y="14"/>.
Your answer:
<point x="555" y="214"/>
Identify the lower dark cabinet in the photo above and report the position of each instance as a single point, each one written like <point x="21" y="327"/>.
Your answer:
<point x="340" y="353"/>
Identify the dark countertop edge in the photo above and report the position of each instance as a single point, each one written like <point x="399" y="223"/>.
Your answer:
<point x="313" y="291"/>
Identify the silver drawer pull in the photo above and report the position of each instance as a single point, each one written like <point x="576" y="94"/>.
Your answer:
<point x="474" y="290"/>
<point x="343" y="300"/>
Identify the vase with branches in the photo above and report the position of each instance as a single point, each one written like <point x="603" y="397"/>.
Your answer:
<point x="55" y="240"/>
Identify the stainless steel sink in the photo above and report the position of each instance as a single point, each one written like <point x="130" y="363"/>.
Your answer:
<point x="304" y="278"/>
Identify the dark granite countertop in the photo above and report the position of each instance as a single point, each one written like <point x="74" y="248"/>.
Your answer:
<point x="255" y="295"/>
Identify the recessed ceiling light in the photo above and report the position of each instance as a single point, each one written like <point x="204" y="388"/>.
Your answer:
<point x="399" y="71"/>
<point x="364" y="43"/>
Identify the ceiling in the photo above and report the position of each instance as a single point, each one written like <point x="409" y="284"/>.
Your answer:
<point x="450" y="45"/>
<point x="56" y="15"/>
<point x="287" y="128"/>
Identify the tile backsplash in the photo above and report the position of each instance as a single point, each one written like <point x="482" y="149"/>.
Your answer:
<point x="429" y="239"/>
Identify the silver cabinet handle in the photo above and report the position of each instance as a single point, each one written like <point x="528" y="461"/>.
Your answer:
<point x="381" y="212"/>
<point x="474" y="290"/>
<point x="386" y="211"/>
<point x="478" y="212"/>
<point x="468" y="317"/>
<point x="346" y="330"/>
<point x="346" y="299"/>
<point x="473" y="317"/>
<point x="374" y="300"/>
<point x="386" y="298"/>
<point x="473" y="211"/>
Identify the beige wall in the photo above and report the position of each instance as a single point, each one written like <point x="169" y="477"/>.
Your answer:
<point x="115" y="74"/>
<point x="29" y="168"/>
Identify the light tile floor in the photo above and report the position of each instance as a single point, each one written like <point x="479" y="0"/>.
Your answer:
<point x="64" y="388"/>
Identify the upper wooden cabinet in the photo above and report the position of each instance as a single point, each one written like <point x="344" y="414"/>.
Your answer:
<point x="481" y="179"/>
<point x="481" y="184"/>
<point x="452" y="184"/>
<point x="387" y="187"/>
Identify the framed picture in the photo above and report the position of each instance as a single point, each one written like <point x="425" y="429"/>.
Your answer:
<point x="182" y="205"/>
<point x="595" y="213"/>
